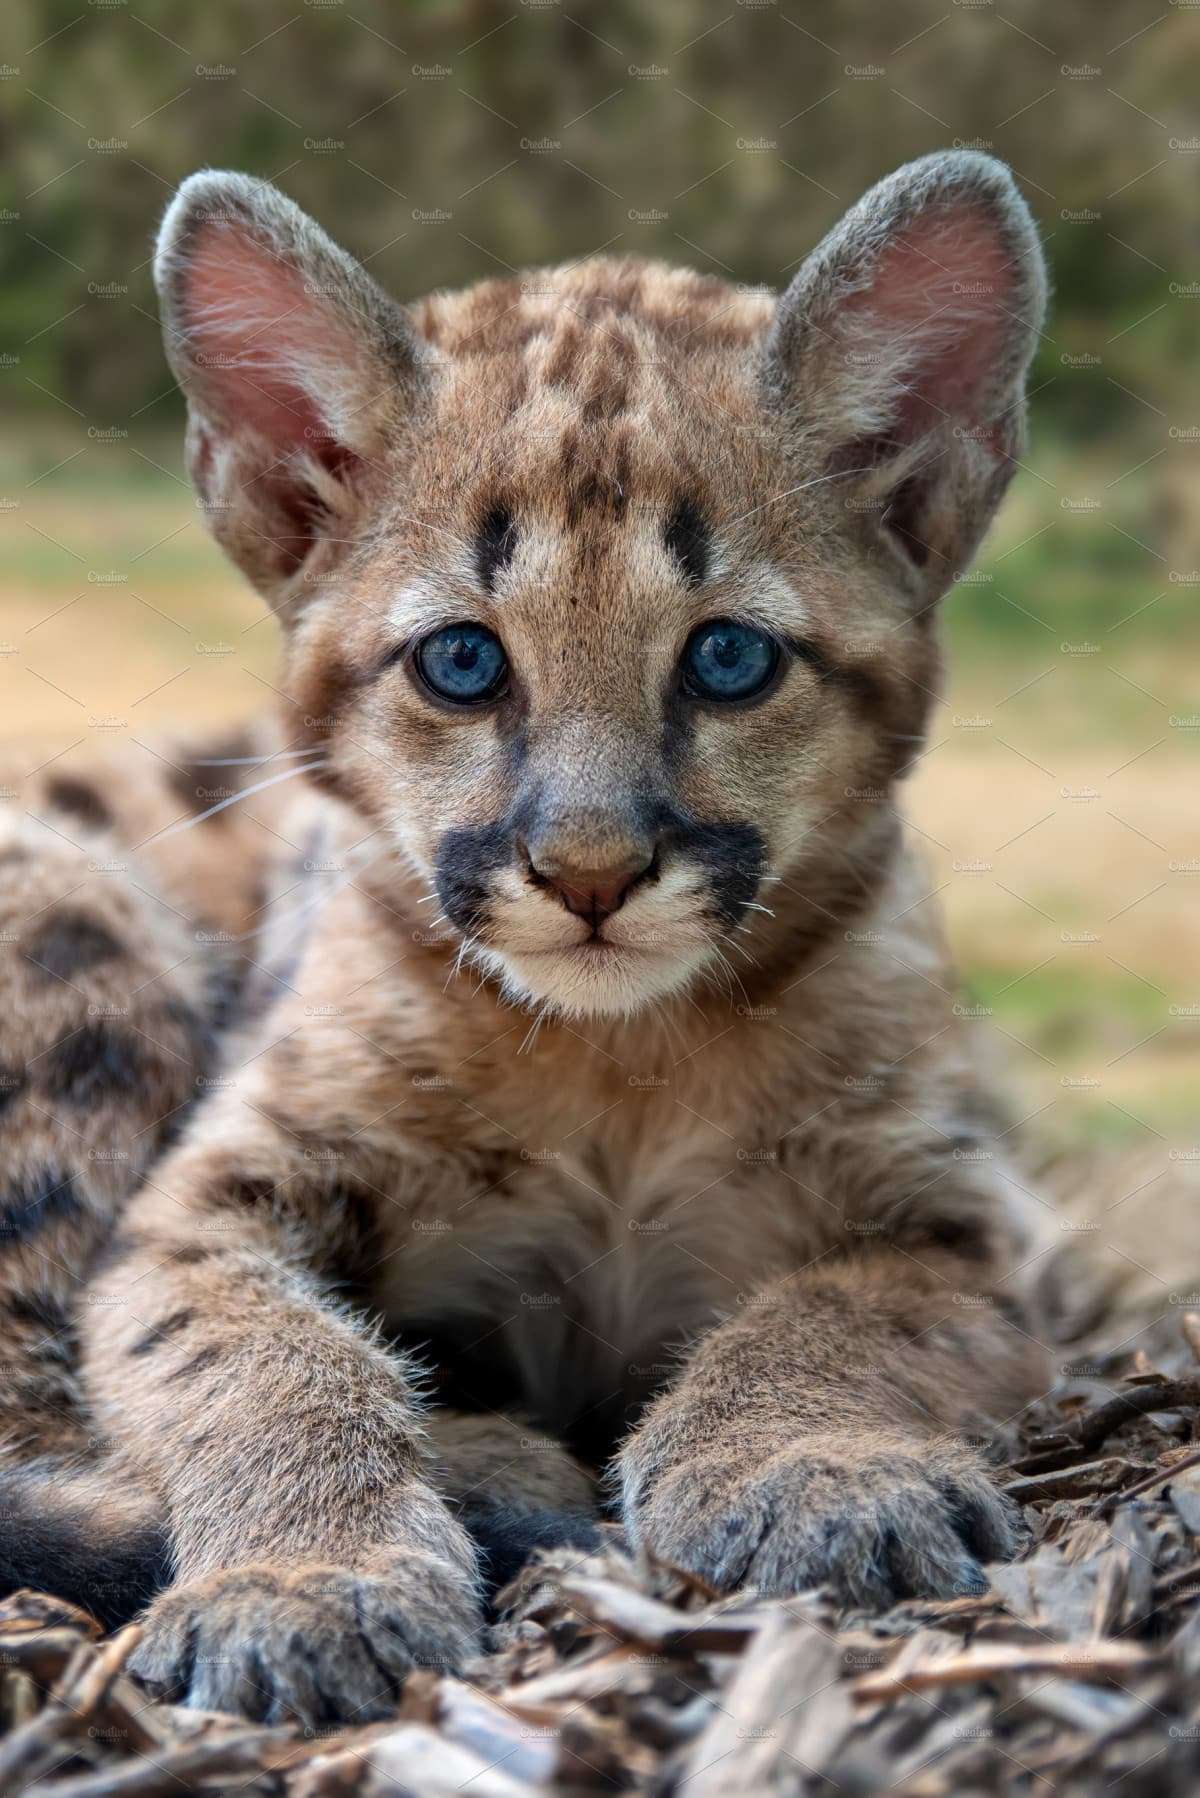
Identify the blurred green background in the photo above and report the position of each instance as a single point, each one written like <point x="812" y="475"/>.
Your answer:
<point x="1060" y="798"/>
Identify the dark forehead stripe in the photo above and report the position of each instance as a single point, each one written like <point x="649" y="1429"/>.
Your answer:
<point x="494" y="546"/>
<point x="594" y="473"/>
<point x="686" y="537"/>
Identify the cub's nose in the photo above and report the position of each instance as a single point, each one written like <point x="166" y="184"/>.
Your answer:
<point x="591" y="893"/>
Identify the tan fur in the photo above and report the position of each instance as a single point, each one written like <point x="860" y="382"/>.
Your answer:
<point x="714" y="1185"/>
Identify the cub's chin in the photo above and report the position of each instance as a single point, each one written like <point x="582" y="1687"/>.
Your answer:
<point x="591" y="979"/>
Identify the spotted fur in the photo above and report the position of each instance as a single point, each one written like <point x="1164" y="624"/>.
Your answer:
<point x="701" y="1176"/>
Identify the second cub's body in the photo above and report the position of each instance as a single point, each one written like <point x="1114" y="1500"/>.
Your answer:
<point x="605" y="1072"/>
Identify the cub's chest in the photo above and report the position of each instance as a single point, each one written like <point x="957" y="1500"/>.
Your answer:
<point x="566" y="1280"/>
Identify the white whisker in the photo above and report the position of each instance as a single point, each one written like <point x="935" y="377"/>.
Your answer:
<point x="272" y="780"/>
<point x="734" y="975"/>
<point x="309" y="907"/>
<point x="672" y="1029"/>
<point x="838" y="475"/>
<point x="695" y="1005"/>
<point x="530" y="1037"/>
<point x="467" y="944"/>
<point x="242" y="761"/>
<point x="427" y="526"/>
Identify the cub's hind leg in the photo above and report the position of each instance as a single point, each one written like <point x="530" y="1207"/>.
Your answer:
<point x="514" y="1488"/>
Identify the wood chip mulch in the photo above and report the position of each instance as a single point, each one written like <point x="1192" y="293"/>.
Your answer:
<point x="1078" y="1673"/>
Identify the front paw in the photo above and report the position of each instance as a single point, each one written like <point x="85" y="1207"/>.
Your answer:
<point x="873" y="1520"/>
<point x="319" y="1643"/>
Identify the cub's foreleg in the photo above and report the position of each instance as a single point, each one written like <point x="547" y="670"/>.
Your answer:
<point x="316" y="1564"/>
<point x="816" y="1440"/>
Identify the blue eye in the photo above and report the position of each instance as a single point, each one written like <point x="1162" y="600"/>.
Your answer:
<point x="727" y="660"/>
<point x="465" y="663"/>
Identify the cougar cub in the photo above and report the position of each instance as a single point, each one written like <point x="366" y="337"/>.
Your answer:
<point x="592" y="1094"/>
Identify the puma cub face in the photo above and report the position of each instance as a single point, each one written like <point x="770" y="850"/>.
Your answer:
<point x="607" y="591"/>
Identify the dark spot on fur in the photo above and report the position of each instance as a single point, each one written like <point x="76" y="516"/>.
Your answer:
<point x="195" y="1027"/>
<point x="1013" y="1311"/>
<point x="607" y="381"/>
<point x="200" y="788"/>
<point x="892" y="704"/>
<point x="206" y="1358"/>
<point x="12" y="1085"/>
<point x="965" y="1236"/>
<point x="159" y="1332"/>
<point x="594" y="471"/>
<point x="69" y="944"/>
<point x="193" y="1253"/>
<point x="564" y="357"/>
<point x="495" y="546"/>
<point x="201" y="778"/>
<point x="223" y="998"/>
<point x="39" y="1199"/>
<point x="686" y="538"/>
<point x="44" y="1310"/>
<point x="246" y="1190"/>
<point x="48" y="1315"/>
<point x="93" y="1064"/>
<point x="80" y="799"/>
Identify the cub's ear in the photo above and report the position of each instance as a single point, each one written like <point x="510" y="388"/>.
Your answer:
<point x="298" y="370"/>
<point x="901" y="348"/>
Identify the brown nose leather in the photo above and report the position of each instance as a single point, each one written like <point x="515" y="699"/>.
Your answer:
<point x="593" y="893"/>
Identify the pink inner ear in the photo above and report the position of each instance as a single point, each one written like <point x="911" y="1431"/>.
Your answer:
<point x="252" y="327"/>
<point x="944" y="290"/>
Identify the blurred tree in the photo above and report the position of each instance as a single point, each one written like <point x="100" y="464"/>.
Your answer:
<point x="446" y="141"/>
